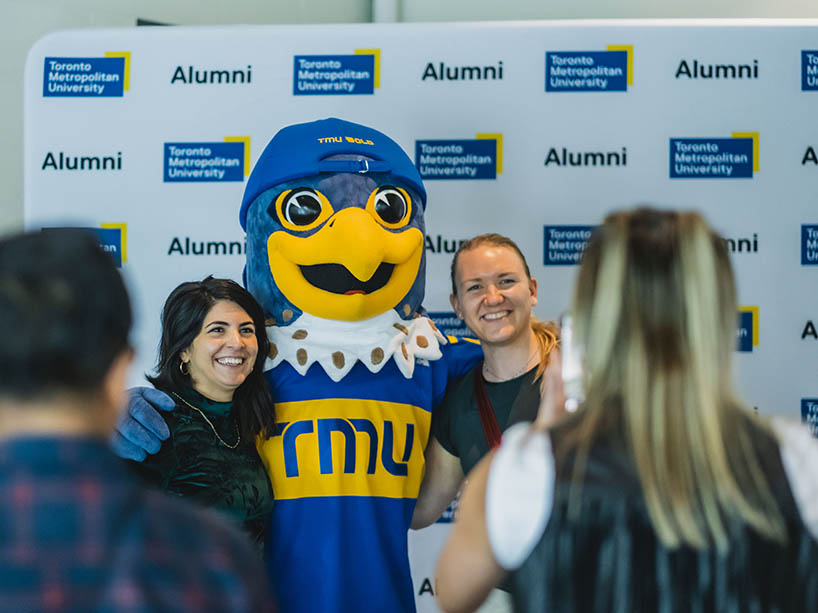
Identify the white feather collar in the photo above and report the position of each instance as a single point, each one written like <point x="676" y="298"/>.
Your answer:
<point x="337" y="345"/>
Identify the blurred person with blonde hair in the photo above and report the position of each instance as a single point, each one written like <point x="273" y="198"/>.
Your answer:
<point x="662" y="492"/>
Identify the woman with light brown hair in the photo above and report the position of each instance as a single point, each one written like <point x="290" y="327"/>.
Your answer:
<point x="493" y="292"/>
<point x="663" y="492"/>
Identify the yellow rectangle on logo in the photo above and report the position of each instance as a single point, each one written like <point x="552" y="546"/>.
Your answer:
<point x="346" y="447"/>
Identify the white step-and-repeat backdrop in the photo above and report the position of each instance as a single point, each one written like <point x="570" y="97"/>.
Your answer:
<point x="534" y="130"/>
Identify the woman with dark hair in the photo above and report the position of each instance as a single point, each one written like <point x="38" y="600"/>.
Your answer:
<point x="211" y="361"/>
<point x="662" y="492"/>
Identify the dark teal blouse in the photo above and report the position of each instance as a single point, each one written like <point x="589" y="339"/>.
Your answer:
<point x="197" y="462"/>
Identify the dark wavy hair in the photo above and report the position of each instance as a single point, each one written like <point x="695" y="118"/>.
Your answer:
<point x="182" y="318"/>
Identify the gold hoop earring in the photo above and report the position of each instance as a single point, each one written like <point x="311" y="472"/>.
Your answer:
<point x="182" y="368"/>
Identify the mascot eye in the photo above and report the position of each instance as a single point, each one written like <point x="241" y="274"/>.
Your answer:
<point x="302" y="208"/>
<point x="391" y="206"/>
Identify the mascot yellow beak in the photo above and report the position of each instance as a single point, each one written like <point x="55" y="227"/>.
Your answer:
<point x="351" y="269"/>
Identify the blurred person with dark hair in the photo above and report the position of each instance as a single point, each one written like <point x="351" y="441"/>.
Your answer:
<point x="662" y="492"/>
<point x="79" y="533"/>
<point x="211" y="361"/>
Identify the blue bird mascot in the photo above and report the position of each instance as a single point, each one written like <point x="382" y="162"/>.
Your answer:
<point x="333" y="213"/>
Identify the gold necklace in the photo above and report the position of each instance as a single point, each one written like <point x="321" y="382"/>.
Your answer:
<point x="209" y="423"/>
<point x="533" y="358"/>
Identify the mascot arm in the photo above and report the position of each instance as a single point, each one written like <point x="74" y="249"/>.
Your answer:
<point x="141" y="429"/>
<point x="459" y="357"/>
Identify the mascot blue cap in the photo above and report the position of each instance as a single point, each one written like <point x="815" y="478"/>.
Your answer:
<point x="333" y="212"/>
<point x="301" y="150"/>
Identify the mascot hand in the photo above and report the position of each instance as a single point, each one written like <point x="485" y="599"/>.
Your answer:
<point x="141" y="429"/>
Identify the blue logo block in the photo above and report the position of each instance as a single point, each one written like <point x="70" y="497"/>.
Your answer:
<point x="809" y="414"/>
<point x="744" y="334"/>
<point x="564" y="245"/>
<point x="88" y="77"/>
<point x="110" y="240"/>
<point x="809" y="71"/>
<point x="586" y="71"/>
<point x="711" y="158"/>
<point x="197" y="162"/>
<point x="456" y="159"/>
<point x="332" y="75"/>
<point x="449" y="324"/>
<point x="809" y="244"/>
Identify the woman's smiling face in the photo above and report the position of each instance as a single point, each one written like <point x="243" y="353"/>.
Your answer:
<point x="223" y="353"/>
<point x="494" y="293"/>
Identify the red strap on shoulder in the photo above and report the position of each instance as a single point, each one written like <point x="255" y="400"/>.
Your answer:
<point x="491" y="429"/>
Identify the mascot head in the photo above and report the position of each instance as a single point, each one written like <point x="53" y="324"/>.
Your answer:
<point x="333" y="212"/>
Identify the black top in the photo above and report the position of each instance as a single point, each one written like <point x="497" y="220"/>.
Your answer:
<point x="456" y="423"/>
<point x="606" y="556"/>
<point x="195" y="464"/>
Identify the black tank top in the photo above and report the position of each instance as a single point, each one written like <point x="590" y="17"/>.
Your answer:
<point x="609" y="559"/>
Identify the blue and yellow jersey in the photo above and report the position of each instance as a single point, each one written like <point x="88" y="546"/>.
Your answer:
<point x="346" y="462"/>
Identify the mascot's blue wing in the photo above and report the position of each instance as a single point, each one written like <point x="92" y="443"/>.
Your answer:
<point x="459" y="357"/>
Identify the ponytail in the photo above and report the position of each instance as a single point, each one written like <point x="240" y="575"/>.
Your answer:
<point x="547" y="334"/>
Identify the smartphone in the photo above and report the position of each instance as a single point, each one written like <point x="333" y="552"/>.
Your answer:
<point x="571" y="365"/>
